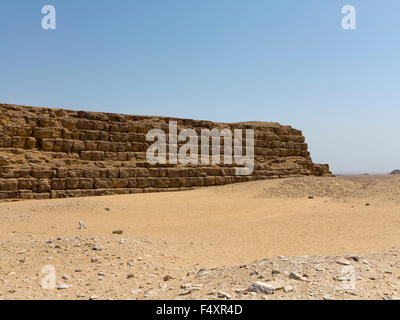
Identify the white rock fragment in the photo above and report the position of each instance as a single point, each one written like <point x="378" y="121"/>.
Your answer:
<point x="97" y="247"/>
<point x="223" y="295"/>
<point x="277" y="284"/>
<point x="343" y="262"/>
<point x="62" y="287"/>
<point x="352" y="257"/>
<point x="192" y="287"/>
<point x="203" y="272"/>
<point x="184" y="292"/>
<point x="135" y="292"/>
<point x="296" y="276"/>
<point x="82" y="225"/>
<point x="261" y="287"/>
<point x="288" y="288"/>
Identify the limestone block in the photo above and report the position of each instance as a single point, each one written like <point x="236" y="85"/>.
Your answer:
<point x="78" y="146"/>
<point x="42" y="133"/>
<point x="8" y="184"/>
<point x="58" y="184"/>
<point x="102" y="183"/>
<point x="120" y="183"/>
<point x="27" y="183"/>
<point x="30" y="143"/>
<point x="44" y="185"/>
<point x="47" y="144"/>
<point x="18" y="142"/>
<point x="72" y="183"/>
<point x="42" y="173"/>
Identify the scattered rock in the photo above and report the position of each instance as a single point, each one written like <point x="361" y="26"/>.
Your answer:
<point x="288" y="288"/>
<point x="118" y="232"/>
<point x="135" y="292"/>
<point x="352" y="257"/>
<point x="203" y="272"/>
<point x="240" y="290"/>
<point x="82" y="225"/>
<point x="97" y="247"/>
<point x="62" y="287"/>
<point x="277" y="284"/>
<point x="191" y="287"/>
<point x="150" y="293"/>
<point x="223" y="295"/>
<point x="296" y="276"/>
<point x="167" y="278"/>
<point x="343" y="262"/>
<point x="261" y="287"/>
<point x="183" y="292"/>
<point x="391" y="298"/>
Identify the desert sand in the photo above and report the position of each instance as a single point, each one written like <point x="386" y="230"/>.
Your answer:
<point x="294" y="234"/>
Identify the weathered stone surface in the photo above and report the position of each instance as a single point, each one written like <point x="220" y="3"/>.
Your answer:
<point x="63" y="153"/>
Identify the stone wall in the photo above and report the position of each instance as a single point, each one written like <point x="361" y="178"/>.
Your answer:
<point x="52" y="153"/>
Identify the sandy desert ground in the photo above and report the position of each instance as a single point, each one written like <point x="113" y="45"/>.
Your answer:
<point x="299" y="237"/>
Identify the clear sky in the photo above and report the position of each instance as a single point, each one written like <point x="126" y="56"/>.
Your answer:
<point x="288" y="61"/>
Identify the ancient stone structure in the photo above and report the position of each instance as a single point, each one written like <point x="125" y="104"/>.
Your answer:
<point x="50" y="153"/>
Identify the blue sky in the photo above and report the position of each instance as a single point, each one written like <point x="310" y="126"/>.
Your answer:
<point x="223" y="60"/>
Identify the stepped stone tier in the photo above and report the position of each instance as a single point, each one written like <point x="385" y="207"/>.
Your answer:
<point x="53" y="153"/>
